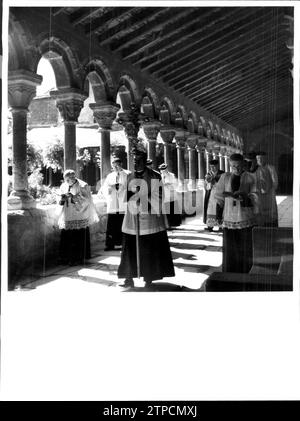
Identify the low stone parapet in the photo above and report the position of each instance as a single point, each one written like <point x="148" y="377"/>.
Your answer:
<point x="33" y="239"/>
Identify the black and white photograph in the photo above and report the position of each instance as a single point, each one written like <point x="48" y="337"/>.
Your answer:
<point x="150" y="148"/>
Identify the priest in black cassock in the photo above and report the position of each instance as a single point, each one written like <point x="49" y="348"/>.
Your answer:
<point x="144" y="196"/>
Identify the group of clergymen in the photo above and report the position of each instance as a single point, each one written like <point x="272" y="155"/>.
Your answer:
<point x="235" y="201"/>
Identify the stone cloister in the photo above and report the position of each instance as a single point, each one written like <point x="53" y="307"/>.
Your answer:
<point x="125" y="97"/>
<point x="191" y="131"/>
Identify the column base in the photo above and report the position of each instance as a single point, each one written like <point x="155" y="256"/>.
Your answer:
<point x="200" y="184"/>
<point x="182" y="186"/>
<point x="20" y="200"/>
<point x="192" y="185"/>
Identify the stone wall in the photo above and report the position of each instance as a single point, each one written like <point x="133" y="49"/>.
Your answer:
<point x="33" y="239"/>
<point x="279" y="145"/>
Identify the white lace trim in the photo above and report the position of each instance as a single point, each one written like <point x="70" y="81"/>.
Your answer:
<point x="212" y="221"/>
<point x="74" y="225"/>
<point x="239" y="225"/>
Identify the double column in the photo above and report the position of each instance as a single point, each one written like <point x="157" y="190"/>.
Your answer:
<point x="180" y="138"/>
<point x="104" y="113"/>
<point x="191" y="145"/>
<point x="202" y="169"/>
<point x="130" y="120"/>
<point x="151" y="130"/>
<point x="21" y="90"/>
<point x="167" y="134"/>
<point x="69" y="102"/>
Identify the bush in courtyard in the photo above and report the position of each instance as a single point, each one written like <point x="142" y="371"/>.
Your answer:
<point x="53" y="155"/>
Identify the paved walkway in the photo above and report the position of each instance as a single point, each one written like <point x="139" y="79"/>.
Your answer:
<point x="196" y="254"/>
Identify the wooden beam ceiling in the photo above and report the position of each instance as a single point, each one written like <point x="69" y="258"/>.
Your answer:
<point x="233" y="61"/>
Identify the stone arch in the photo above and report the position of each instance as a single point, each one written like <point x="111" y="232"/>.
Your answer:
<point x="23" y="53"/>
<point x="150" y="103"/>
<point x="182" y="114"/>
<point x="219" y="132"/>
<point x="202" y="126"/>
<point x="128" y="92"/>
<point x="66" y="66"/>
<point x="234" y="139"/>
<point x="97" y="73"/>
<point x="229" y="138"/>
<point x="223" y="135"/>
<point x="167" y="111"/>
<point x="192" y="125"/>
<point x="210" y="129"/>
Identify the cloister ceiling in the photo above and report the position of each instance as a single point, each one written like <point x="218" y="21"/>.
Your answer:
<point x="233" y="61"/>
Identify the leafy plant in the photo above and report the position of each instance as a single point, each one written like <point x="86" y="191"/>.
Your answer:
<point x="53" y="155"/>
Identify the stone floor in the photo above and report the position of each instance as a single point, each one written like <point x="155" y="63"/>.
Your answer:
<point x="196" y="254"/>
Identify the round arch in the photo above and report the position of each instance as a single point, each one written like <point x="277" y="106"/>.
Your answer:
<point x="167" y="111"/>
<point x="97" y="73"/>
<point x="192" y="122"/>
<point x="183" y="114"/>
<point x="22" y="53"/>
<point x="66" y="66"/>
<point x="150" y="103"/>
<point x="128" y="92"/>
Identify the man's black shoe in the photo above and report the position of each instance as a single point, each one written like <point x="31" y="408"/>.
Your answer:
<point x="128" y="283"/>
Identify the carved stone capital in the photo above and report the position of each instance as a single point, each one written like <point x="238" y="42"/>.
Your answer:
<point x="22" y="88"/>
<point x="69" y="103"/>
<point x="180" y="142"/>
<point x="201" y="145"/>
<point x="130" y="120"/>
<point x="105" y="113"/>
<point x="192" y="141"/>
<point x="151" y="129"/>
<point x="167" y="134"/>
<point x="211" y="144"/>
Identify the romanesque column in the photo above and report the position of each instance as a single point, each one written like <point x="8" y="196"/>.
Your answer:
<point x="181" y="146"/>
<point x="69" y="102"/>
<point x="221" y="159"/>
<point x="21" y="90"/>
<point x="104" y="113"/>
<point x="191" y="145"/>
<point x="215" y="154"/>
<point x="167" y="134"/>
<point x="226" y="168"/>
<point x="200" y="148"/>
<point x="208" y="157"/>
<point x="151" y="130"/>
<point x="130" y="120"/>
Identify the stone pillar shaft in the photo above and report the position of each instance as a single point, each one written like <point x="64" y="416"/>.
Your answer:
<point x="207" y="159"/>
<point x="167" y="135"/>
<point x="21" y="90"/>
<point x="152" y="152"/>
<point x="69" y="102"/>
<point x="181" y="166"/>
<point x="201" y="166"/>
<point x="227" y="168"/>
<point x="105" y="168"/>
<point x="70" y="145"/>
<point x="19" y="149"/>
<point x="129" y="119"/>
<point x="104" y="113"/>
<point x="192" y="168"/>
<point x="221" y="162"/>
<point x="180" y="145"/>
<point x="191" y="143"/>
<point x="151" y="130"/>
<point x="168" y="156"/>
